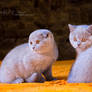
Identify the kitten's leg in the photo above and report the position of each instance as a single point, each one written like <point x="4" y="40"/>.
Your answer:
<point x="18" y="80"/>
<point x="48" y="74"/>
<point x="35" y="77"/>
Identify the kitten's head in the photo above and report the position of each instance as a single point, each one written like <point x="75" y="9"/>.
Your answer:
<point x="41" y="41"/>
<point x="80" y="36"/>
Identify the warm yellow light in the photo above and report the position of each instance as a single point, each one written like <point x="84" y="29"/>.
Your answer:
<point x="60" y="70"/>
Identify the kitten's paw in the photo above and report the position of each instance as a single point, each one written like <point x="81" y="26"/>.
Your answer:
<point x="18" y="80"/>
<point x="35" y="77"/>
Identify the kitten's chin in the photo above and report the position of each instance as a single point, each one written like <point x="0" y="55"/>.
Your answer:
<point x="40" y="52"/>
<point x="37" y="51"/>
<point x="80" y="49"/>
<point x="75" y="47"/>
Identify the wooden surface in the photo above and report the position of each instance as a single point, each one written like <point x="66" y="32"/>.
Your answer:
<point x="60" y="71"/>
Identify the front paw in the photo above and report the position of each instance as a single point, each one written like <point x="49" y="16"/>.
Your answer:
<point x="18" y="80"/>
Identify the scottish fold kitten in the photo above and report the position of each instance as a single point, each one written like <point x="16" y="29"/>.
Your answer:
<point x="27" y="62"/>
<point x="81" y="39"/>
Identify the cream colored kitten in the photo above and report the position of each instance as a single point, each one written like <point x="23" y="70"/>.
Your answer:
<point x="27" y="62"/>
<point x="81" y="39"/>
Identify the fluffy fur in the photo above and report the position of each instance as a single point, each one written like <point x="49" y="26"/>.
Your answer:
<point x="81" y="39"/>
<point x="27" y="62"/>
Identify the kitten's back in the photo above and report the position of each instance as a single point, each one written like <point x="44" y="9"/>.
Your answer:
<point x="17" y="52"/>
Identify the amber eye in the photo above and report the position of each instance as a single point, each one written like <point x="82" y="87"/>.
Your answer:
<point x="75" y="39"/>
<point x="83" y="40"/>
<point x="31" y="43"/>
<point x="41" y="34"/>
<point x="47" y="35"/>
<point x="37" y="41"/>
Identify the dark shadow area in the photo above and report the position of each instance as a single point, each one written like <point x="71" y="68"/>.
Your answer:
<point x="62" y="77"/>
<point x="18" y="18"/>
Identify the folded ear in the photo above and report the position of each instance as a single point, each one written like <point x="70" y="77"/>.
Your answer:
<point x="89" y="29"/>
<point x="71" y="27"/>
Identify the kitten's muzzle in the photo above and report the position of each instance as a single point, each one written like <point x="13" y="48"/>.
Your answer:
<point x="79" y="43"/>
<point x="33" y="48"/>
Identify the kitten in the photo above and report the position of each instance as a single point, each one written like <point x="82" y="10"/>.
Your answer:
<point x="81" y="39"/>
<point x="27" y="62"/>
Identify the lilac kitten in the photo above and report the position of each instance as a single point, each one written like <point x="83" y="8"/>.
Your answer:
<point x="81" y="39"/>
<point x="27" y="62"/>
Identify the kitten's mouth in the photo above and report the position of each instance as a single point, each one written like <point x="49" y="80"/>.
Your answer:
<point x="79" y="47"/>
<point x="76" y="47"/>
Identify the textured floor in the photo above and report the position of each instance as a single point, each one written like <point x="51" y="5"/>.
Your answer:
<point x="60" y="70"/>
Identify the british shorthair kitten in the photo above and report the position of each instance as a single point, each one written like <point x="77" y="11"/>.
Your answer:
<point x="27" y="62"/>
<point x="81" y="39"/>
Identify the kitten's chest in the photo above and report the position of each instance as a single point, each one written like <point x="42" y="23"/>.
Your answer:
<point x="84" y="60"/>
<point x="42" y="63"/>
<point x="36" y="63"/>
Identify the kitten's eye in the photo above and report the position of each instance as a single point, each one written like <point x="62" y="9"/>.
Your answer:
<point x="41" y="34"/>
<point x="83" y="40"/>
<point x="75" y="39"/>
<point x="47" y="36"/>
<point x="37" y="41"/>
<point x="30" y="42"/>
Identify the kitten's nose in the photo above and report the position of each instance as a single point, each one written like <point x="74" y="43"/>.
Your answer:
<point x="33" y="47"/>
<point x="78" y="43"/>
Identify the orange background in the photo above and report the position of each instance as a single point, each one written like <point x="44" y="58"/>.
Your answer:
<point x="60" y="71"/>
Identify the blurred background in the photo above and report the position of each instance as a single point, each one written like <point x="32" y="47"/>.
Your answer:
<point x="18" y="18"/>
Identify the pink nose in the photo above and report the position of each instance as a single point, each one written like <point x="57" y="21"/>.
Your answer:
<point x="33" y="47"/>
<point x="78" y="44"/>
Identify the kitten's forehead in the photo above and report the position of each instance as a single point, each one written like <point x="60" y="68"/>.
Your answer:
<point x="81" y="34"/>
<point x="40" y="32"/>
<point x="81" y="30"/>
<point x="81" y="27"/>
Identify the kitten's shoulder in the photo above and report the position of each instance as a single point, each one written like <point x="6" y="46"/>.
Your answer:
<point x="18" y="50"/>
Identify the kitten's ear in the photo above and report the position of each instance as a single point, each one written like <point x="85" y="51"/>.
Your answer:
<point x="71" y="27"/>
<point x="89" y="29"/>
